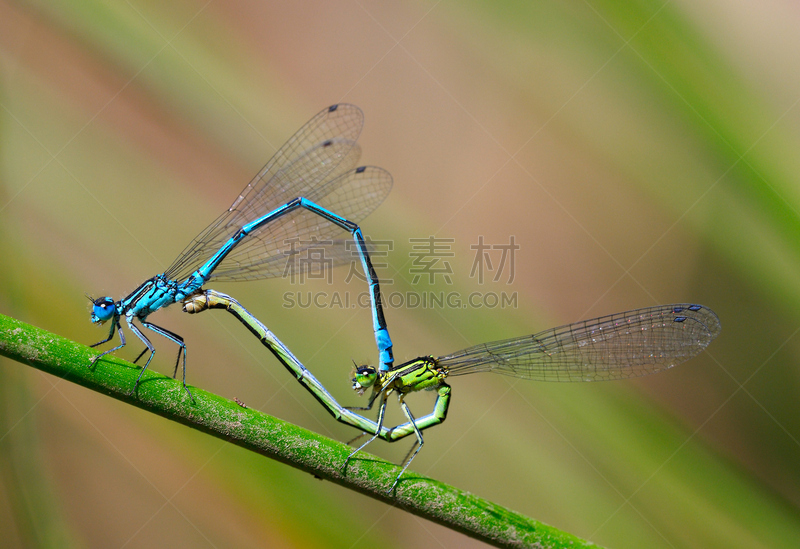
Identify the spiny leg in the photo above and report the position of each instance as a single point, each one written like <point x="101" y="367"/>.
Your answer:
<point x="381" y="414"/>
<point x="181" y="349"/>
<point x="417" y="445"/>
<point x="411" y="450"/>
<point x="172" y="336"/>
<point x="359" y="437"/>
<point x="114" y="324"/>
<point x="149" y="345"/>
<point x="135" y="360"/>
<point x="372" y="399"/>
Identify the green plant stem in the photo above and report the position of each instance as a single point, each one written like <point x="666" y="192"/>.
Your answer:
<point x="277" y="439"/>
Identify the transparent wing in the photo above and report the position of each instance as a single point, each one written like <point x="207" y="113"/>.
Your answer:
<point x="301" y="241"/>
<point x="309" y="260"/>
<point x="623" y="345"/>
<point x="316" y="163"/>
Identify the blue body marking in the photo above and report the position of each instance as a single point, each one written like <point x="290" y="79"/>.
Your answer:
<point x="314" y="172"/>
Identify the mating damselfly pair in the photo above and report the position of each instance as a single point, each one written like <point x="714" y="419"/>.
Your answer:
<point x="311" y="192"/>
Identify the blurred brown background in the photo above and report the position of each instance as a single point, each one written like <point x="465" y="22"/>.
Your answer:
<point x="638" y="153"/>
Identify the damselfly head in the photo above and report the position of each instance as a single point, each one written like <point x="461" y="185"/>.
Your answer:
<point x="363" y="378"/>
<point x="103" y="309"/>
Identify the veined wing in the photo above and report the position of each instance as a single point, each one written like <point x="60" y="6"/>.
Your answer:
<point x="302" y="242"/>
<point x="310" y="164"/>
<point x="618" y="346"/>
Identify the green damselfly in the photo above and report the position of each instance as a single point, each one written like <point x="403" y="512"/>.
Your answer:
<point x="618" y="346"/>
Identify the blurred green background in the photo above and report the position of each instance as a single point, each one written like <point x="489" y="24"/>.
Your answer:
<point x="639" y="153"/>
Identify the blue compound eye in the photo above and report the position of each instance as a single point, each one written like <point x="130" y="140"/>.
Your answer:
<point x="103" y="309"/>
